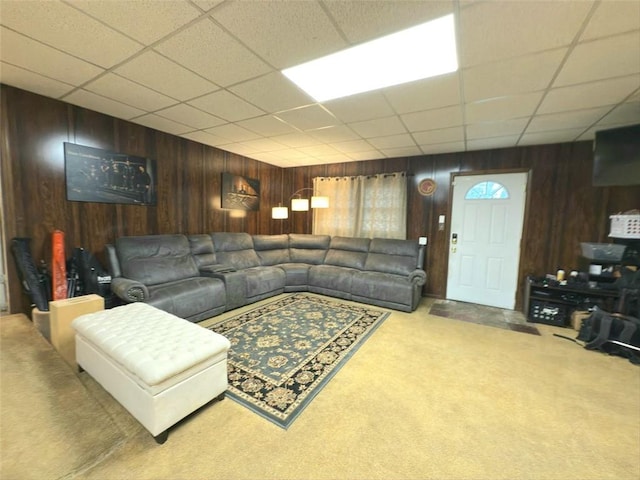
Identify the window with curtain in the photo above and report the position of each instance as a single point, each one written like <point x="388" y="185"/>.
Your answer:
<point x="363" y="206"/>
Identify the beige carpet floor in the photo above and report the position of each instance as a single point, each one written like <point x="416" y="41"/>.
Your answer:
<point x="425" y="397"/>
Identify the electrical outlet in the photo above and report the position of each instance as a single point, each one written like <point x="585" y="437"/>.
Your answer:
<point x="422" y="240"/>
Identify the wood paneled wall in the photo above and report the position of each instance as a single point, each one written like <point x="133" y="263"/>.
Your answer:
<point x="563" y="208"/>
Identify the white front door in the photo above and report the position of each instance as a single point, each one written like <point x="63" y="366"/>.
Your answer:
<point x="484" y="245"/>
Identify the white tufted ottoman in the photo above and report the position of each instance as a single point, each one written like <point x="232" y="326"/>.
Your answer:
<point x="159" y="367"/>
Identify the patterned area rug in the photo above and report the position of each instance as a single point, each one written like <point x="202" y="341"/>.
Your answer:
<point x="483" y="315"/>
<point x="283" y="353"/>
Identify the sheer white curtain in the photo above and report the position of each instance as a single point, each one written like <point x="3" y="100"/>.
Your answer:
<point x="364" y="206"/>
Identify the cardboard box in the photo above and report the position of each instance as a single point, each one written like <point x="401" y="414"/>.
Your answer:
<point x="576" y="318"/>
<point x="62" y="313"/>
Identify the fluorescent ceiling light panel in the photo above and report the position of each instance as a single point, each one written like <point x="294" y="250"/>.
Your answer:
<point x="423" y="51"/>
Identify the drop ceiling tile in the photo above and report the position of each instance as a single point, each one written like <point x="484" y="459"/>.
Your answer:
<point x="392" y="141"/>
<point x="433" y="119"/>
<point x="225" y="105"/>
<point x="233" y="133"/>
<point x="599" y="59"/>
<point x="356" y="108"/>
<point x="33" y="82"/>
<point x="207" y="5"/>
<point x="361" y="23"/>
<point x="443" y="135"/>
<point x="273" y="93"/>
<point x="508" y="107"/>
<point x="491" y="31"/>
<point x="337" y="133"/>
<point x="165" y="76"/>
<point x="295" y="140"/>
<point x="263" y="145"/>
<point x="566" y="120"/>
<point x="289" y="154"/>
<point x="335" y="158"/>
<point x="73" y="32"/>
<point x="101" y="104"/>
<point x="448" y="147"/>
<point x="208" y="50"/>
<point x="206" y="138"/>
<point x="25" y="53"/>
<point x="493" y="142"/>
<point x="163" y="124"/>
<point x="556" y="136"/>
<point x="378" y="127"/>
<point x="366" y="155"/>
<point x="239" y="148"/>
<point x="496" y="129"/>
<point x="267" y="126"/>
<point x="283" y="33"/>
<point x="585" y="95"/>
<point x="353" y="146"/>
<point x="627" y="113"/>
<point x="527" y="74"/>
<point x="188" y="115"/>
<point x="427" y="94"/>
<point x="145" y="20"/>
<point x="130" y="93"/>
<point x="308" y="118"/>
<point x="409" y="151"/>
<point x="318" y="150"/>
<point x="613" y="17"/>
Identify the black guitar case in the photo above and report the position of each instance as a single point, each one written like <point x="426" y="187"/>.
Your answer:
<point x="28" y="273"/>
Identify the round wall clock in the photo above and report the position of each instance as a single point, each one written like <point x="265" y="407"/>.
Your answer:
<point x="427" y="187"/>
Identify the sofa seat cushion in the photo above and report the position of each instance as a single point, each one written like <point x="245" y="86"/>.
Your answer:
<point x="262" y="280"/>
<point x="385" y="287"/>
<point x="296" y="274"/>
<point x="189" y="297"/>
<point x="331" y="280"/>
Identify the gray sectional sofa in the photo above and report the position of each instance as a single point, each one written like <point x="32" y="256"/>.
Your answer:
<point x="200" y="276"/>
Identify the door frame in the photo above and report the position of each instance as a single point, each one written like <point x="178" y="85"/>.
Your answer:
<point x="525" y="223"/>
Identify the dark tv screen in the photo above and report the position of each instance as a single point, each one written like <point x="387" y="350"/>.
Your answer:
<point x="617" y="157"/>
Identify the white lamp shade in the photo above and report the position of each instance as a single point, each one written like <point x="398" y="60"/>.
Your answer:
<point x="319" y="202"/>
<point x="300" y="204"/>
<point x="280" y="213"/>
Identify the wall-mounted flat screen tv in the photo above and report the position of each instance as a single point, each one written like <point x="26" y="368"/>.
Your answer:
<point x="616" y="158"/>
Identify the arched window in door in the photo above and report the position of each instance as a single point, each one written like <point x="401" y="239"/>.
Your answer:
<point x="487" y="191"/>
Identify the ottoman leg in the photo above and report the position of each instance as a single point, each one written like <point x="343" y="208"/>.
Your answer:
<point x="160" y="439"/>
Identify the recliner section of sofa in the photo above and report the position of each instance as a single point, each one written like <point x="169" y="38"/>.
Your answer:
<point x="160" y="270"/>
<point x="238" y="269"/>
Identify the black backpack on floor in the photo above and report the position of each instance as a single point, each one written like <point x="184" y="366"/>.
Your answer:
<point x="612" y="333"/>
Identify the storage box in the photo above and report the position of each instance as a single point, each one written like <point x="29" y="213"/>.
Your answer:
<point x="607" y="252"/>
<point x="549" y="312"/>
<point x="625" y="226"/>
<point x="577" y="317"/>
<point x="62" y="313"/>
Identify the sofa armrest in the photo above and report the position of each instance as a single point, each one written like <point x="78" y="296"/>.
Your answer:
<point x="215" y="269"/>
<point x="418" y="277"/>
<point x="129" y="290"/>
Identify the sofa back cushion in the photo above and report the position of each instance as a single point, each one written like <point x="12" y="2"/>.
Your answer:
<point x="155" y="259"/>
<point x="347" y="252"/>
<point x="202" y="249"/>
<point x="235" y="249"/>
<point x="392" y="256"/>
<point x="272" y="249"/>
<point x="305" y="248"/>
